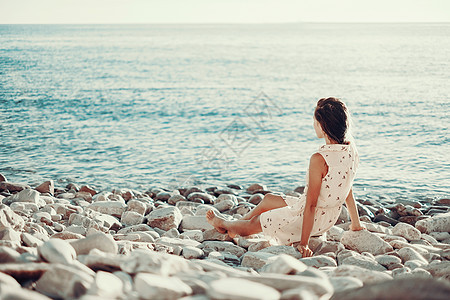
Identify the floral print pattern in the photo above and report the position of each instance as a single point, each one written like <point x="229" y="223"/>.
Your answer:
<point x="284" y="225"/>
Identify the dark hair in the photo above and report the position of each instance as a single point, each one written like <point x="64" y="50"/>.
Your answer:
<point x="332" y="115"/>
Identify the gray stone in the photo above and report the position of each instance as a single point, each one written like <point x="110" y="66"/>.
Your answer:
<point x="196" y="235"/>
<point x="365" y="275"/>
<point x="106" y="285"/>
<point x="319" y="261"/>
<point x="136" y="206"/>
<point x="101" y="241"/>
<point x="364" y="241"/>
<point x="26" y="195"/>
<point x="284" y="264"/>
<point x="65" y="282"/>
<point x="151" y="286"/>
<point x="334" y="234"/>
<point x="237" y="288"/>
<point x="408" y="288"/>
<point x="407" y="231"/>
<point x="135" y="228"/>
<point x="9" y="219"/>
<point x="223" y="247"/>
<point x="190" y="252"/>
<point x="131" y="218"/>
<point x="30" y="240"/>
<point x="57" y="251"/>
<point x="388" y="261"/>
<point x="165" y="218"/>
<point x="364" y="262"/>
<point x="344" y="283"/>
<point x="408" y="253"/>
<point x="9" y="234"/>
<point x="8" y="255"/>
<point x="195" y="223"/>
<point x="281" y="249"/>
<point x="439" y="223"/>
<point x="257" y="260"/>
<point x="224" y="205"/>
<point x="113" y="208"/>
<point x="214" y="235"/>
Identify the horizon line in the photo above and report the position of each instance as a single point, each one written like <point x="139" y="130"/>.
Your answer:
<point x="236" y="23"/>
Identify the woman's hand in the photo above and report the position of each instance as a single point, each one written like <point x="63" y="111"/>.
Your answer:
<point x="304" y="250"/>
<point x="357" y="227"/>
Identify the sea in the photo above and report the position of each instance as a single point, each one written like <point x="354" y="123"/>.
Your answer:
<point x="173" y="105"/>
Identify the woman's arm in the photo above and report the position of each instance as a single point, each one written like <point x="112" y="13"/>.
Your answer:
<point x="317" y="170"/>
<point x="353" y="211"/>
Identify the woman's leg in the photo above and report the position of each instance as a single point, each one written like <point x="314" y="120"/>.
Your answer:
<point x="269" y="202"/>
<point x="241" y="227"/>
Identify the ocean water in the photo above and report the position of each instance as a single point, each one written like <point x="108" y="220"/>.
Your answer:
<point x="139" y="106"/>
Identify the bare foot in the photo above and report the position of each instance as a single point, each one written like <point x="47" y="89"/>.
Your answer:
<point x="215" y="221"/>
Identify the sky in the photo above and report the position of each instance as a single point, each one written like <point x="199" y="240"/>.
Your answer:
<point x="221" y="11"/>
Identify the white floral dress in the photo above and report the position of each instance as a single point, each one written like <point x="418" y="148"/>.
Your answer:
<point x="284" y="225"/>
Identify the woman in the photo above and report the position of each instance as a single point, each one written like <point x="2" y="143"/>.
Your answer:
<point x="329" y="178"/>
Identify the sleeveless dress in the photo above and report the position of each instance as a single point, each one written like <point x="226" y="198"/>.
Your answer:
<point x="284" y="225"/>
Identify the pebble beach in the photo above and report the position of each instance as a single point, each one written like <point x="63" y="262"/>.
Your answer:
<point x="78" y="242"/>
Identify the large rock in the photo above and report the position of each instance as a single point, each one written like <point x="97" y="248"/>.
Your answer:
<point x="410" y="288"/>
<point x="407" y="231"/>
<point x="131" y="218"/>
<point x="440" y="222"/>
<point x="388" y="261"/>
<point x="257" y="260"/>
<point x="12" y="187"/>
<point x="57" y="251"/>
<point x="101" y="241"/>
<point x="365" y="275"/>
<point x="106" y="285"/>
<point x="46" y="187"/>
<point x="281" y="249"/>
<point x="65" y="282"/>
<point x="147" y="261"/>
<point x="223" y="247"/>
<point x="408" y="253"/>
<point x="236" y="288"/>
<point x="27" y="195"/>
<point x="364" y="262"/>
<point x="195" y="223"/>
<point x="319" y="261"/>
<point x="113" y="208"/>
<point x="151" y="286"/>
<point x="365" y="241"/>
<point x="165" y="218"/>
<point x="284" y="264"/>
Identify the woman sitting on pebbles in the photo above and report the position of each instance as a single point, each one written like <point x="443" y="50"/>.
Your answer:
<point x="329" y="178"/>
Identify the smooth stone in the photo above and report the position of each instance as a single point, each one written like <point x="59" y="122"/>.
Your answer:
<point x="135" y="228"/>
<point x="101" y="241"/>
<point x="30" y="240"/>
<point x="207" y="198"/>
<point x="320" y="286"/>
<point x="439" y="223"/>
<point x="257" y="260"/>
<point x="10" y="235"/>
<point x="57" y="251"/>
<point x="284" y="264"/>
<point x="365" y="275"/>
<point x="190" y="252"/>
<point x="319" y="261"/>
<point x="236" y="288"/>
<point x="65" y="282"/>
<point x="130" y="218"/>
<point x="258" y="246"/>
<point x="388" y="261"/>
<point x="113" y="208"/>
<point x="27" y="195"/>
<point x="414" y="264"/>
<point x="256" y="187"/>
<point x="439" y="269"/>
<point x="282" y="249"/>
<point x="137" y="206"/>
<point x="226" y="197"/>
<point x="256" y="198"/>
<point x="335" y="234"/>
<point x="8" y="255"/>
<point x="364" y="262"/>
<point x="106" y="285"/>
<point x="328" y="246"/>
<point x="344" y="283"/>
<point x="9" y="219"/>
<point x="408" y="253"/>
<point x="177" y="242"/>
<point x="407" y="288"/>
<point x="365" y="241"/>
<point x="141" y="260"/>
<point x="195" y="223"/>
<point x="25" y="207"/>
<point x="223" y="247"/>
<point x="13" y="293"/>
<point x="175" y="198"/>
<point x="152" y="286"/>
<point x="165" y="218"/>
<point x="196" y="235"/>
<point x="224" y="205"/>
<point x="214" y="235"/>
<point x="407" y="231"/>
<point x="88" y="189"/>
